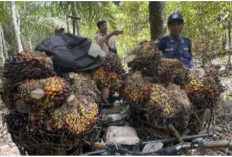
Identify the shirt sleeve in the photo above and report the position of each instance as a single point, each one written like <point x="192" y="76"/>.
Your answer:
<point x="191" y="63"/>
<point x="161" y="44"/>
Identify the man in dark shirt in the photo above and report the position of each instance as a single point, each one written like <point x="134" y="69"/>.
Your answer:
<point x="175" y="46"/>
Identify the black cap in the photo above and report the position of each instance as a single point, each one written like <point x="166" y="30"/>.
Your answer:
<point x="100" y="22"/>
<point x="175" y="17"/>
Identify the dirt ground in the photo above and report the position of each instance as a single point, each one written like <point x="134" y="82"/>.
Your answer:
<point x="221" y="125"/>
<point x="7" y="147"/>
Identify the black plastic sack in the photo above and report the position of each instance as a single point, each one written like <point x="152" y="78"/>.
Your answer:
<point x="69" y="53"/>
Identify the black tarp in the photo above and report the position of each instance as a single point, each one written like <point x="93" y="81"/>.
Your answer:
<point x="69" y="53"/>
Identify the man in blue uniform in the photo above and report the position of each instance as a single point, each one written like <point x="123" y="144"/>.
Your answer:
<point x="175" y="46"/>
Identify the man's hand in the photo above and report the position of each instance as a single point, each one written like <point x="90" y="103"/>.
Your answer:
<point x="117" y="32"/>
<point x="157" y="41"/>
<point x="143" y="41"/>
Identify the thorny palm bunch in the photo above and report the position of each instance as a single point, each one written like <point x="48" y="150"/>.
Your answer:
<point x="201" y="93"/>
<point x="203" y="89"/>
<point x="144" y="58"/>
<point x="77" y="116"/>
<point x="44" y="94"/>
<point x="27" y="65"/>
<point x="136" y="89"/>
<point x="83" y="84"/>
<point x="171" y="70"/>
<point x="164" y="106"/>
<point x="110" y="74"/>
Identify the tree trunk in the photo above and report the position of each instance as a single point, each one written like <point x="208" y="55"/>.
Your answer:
<point x="229" y="52"/>
<point x="29" y="35"/>
<point x="75" y="15"/>
<point x="16" y="23"/>
<point x="2" y="49"/>
<point x="6" y="55"/>
<point x="224" y="41"/>
<point x="67" y="23"/>
<point x="155" y="19"/>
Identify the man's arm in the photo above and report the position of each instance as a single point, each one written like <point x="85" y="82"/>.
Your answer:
<point x="191" y="63"/>
<point x="106" y="38"/>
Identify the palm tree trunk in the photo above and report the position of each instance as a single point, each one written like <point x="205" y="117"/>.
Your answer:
<point x="67" y="23"/>
<point x="75" y="15"/>
<point x="2" y="57"/>
<point x="5" y="53"/>
<point x="229" y="52"/>
<point x="16" y="23"/>
<point x="155" y="19"/>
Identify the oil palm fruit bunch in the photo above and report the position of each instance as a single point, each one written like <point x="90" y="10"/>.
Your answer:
<point x="201" y="93"/>
<point x="110" y="74"/>
<point x="16" y="121"/>
<point x="46" y="93"/>
<point x="213" y="75"/>
<point x="76" y="117"/>
<point x="182" y="109"/>
<point x="195" y="124"/>
<point x="136" y="88"/>
<point x="144" y="58"/>
<point x="8" y="93"/>
<point x="165" y="106"/>
<point x="172" y="70"/>
<point x="161" y="99"/>
<point x="83" y="84"/>
<point x="38" y="121"/>
<point x="28" y="65"/>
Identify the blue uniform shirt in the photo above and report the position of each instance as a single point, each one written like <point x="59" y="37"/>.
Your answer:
<point x="177" y="49"/>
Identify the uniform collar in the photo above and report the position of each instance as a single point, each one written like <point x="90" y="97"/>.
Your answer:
<point x="172" y="40"/>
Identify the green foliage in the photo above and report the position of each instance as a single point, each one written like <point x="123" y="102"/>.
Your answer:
<point x="133" y="18"/>
<point x="205" y="22"/>
<point x="228" y="95"/>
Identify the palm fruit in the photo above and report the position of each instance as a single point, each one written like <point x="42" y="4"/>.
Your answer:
<point x="16" y="121"/>
<point x="200" y="95"/>
<point x="28" y="65"/>
<point x="8" y="93"/>
<point x="110" y="74"/>
<point x="45" y="93"/>
<point x="164" y="107"/>
<point x="195" y="122"/>
<point x="160" y="99"/>
<point x="145" y="58"/>
<point x="83" y="84"/>
<point x="213" y="75"/>
<point x="57" y="89"/>
<point x="172" y="70"/>
<point x="136" y="88"/>
<point x="38" y="121"/>
<point x="78" y="116"/>
<point x="203" y="89"/>
<point x="182" y="101"/>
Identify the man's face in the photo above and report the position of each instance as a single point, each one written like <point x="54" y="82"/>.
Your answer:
<point x="58" y="32"/>
<point x="103" y="28"/>
<point x="176" y="28"/>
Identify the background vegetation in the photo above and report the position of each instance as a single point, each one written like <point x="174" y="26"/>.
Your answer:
<point x="206" y="23"/>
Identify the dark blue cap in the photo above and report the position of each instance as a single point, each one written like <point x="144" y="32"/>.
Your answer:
<point x="175" y="17"/>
